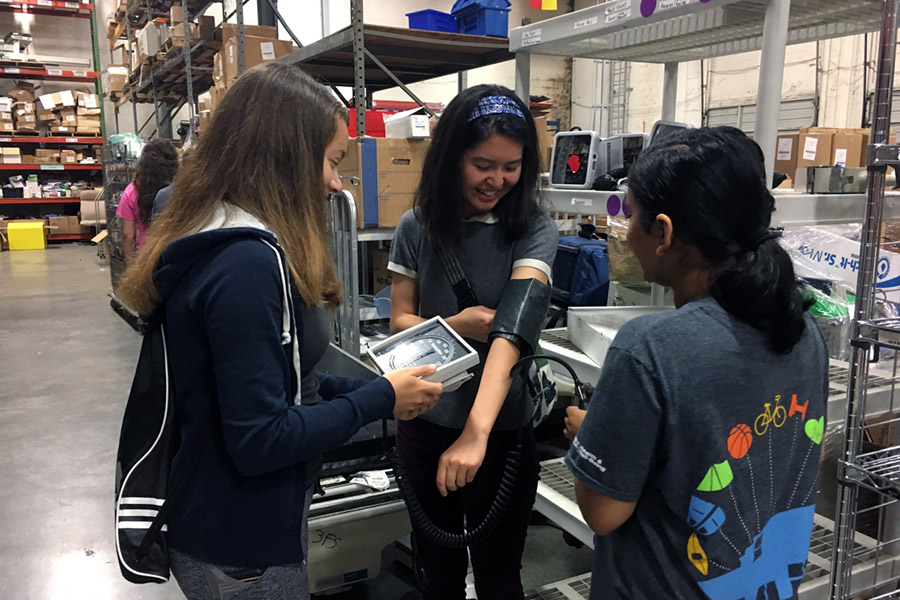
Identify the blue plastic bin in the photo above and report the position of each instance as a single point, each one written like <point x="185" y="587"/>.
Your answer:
<point x="482" y="17"/>
<point x="432" y="20"/>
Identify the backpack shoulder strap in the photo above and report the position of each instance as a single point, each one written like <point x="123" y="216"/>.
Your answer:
<point x="462" y="289"/>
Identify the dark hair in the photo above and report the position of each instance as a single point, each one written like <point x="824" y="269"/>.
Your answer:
<point x="155" y="170"/>
<point x="711" y="182"/>
<point x="439" y="197"/>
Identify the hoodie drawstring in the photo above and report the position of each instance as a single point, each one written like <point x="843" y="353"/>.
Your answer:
<point x="286" y="334"/>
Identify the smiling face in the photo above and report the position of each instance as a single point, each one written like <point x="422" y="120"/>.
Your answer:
<point x="490" y="170"/>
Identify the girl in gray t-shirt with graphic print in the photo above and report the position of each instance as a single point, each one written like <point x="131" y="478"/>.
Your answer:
<point x="696" y="464"/>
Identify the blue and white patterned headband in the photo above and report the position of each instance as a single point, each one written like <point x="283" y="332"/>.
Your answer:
<point x="496" y="105"/>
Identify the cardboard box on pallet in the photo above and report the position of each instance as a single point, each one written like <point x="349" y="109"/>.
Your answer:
<point x="7" y="126"/>
<point x="88" y="104"/>
<point x="256" y="51"/>
<point x="68" y="117"/>
<point x="22" y="93"/>
<point x="67" y="157"/>
<point x="385" y="172"/>
<point x="26" y="122"/>
<point x="57" y="100"/>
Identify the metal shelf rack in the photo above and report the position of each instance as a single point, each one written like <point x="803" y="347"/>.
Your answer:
<point x="791" y="208"/>
<point x="673" y="31"/>
<point x="48" y="72"/>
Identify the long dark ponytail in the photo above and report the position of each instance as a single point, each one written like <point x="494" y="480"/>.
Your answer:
<point x="711" y="183"/>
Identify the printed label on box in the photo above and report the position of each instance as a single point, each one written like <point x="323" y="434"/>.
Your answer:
<point x="840" y="156"/>
<point x="29" y="118"/>
<point x="267" y="49"/>
<point x="785" y="146"/>
<point x="809" y="148"/>
<point x="70" y="118"/>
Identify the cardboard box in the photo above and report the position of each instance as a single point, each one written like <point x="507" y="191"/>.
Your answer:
<point x="47" y="153"/>
<point x="23" y="108"/>
<point x="229" y="30"/>
<point x="62" y="129"/>
<point x="26" y="122"/>
<point x="67" y="157"/>
<point x="814" y="147"/>
<point x="206" y="29"/>
<point x="63" y="99"/>
<point x="7" y="126"/>
<point x="384" y="174"/>
<point x="88" y="121"/>
<point x="849" y="148"/>
<point x="115" y="77"/>
<point x="787" y="153"/>
<point x="408" y="124"/>
<point x="176" y="15"/>
<point x="68" y="117"/>
<point x="88" y="104"/>
<point x="22" y="93"/>
<point x="256" y="51"/>
<point x="10" y="156"/>
<point x="178" y="35"/>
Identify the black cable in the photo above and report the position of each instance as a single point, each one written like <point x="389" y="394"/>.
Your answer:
<point x="581" y="394"/>
<point x="454" y="541"/>
<point x="423" y="525"/>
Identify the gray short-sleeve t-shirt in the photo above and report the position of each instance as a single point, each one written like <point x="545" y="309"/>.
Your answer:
<point x="488" y="260"/>
<point x="718" y="440"/>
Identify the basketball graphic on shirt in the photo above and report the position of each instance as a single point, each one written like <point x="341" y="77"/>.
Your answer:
<point x="739" y="440"/>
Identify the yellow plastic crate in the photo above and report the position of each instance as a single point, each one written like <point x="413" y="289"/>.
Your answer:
<point x="27" y="236"/>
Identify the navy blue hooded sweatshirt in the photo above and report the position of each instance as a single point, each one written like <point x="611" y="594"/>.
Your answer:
<point x="231" y="329"/>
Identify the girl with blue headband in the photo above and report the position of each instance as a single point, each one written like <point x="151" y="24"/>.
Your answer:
<point x="477" y="210"/>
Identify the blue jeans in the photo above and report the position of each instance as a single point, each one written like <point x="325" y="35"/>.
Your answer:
<point x="200" y="580"/>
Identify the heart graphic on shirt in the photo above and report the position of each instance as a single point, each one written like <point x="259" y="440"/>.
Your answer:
<point x="815" y="429"/>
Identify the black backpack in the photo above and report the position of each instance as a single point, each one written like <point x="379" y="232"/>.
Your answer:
<point x="147" y="443"/>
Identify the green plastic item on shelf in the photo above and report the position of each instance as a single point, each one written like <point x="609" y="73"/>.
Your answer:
<point x="826" y="307"/>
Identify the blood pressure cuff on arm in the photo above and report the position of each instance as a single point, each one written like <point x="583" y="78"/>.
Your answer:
<point x="520" y="314"/>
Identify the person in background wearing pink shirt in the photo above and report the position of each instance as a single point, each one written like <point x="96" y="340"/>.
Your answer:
<point x="155" y="170"/>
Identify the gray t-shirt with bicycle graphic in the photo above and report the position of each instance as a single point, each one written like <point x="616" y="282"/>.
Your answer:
<point x="718" y="441"/>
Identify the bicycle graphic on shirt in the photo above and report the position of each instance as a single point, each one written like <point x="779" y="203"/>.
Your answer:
<point x="775" y="416"/>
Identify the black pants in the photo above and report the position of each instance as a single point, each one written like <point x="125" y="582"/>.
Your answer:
<point x="495" y="562"/>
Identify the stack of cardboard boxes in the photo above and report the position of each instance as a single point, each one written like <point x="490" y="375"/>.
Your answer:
<point x="260" y="45"/>
<point x="68" y="113"/>
<point x="820" y="146"/>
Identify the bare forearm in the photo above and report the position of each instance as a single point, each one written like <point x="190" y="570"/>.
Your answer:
<point x="405" y="321"/>
<point x="495" y="382"/>
<point x="128" y="248"/>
